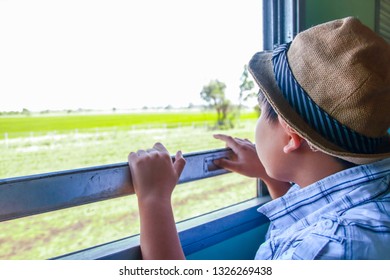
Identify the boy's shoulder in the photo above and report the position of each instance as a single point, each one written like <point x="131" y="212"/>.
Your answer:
<point x="361" y="231"/>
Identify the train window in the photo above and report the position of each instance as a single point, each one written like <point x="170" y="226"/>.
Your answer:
<point x="88" y="81"/>
<point x="383" y="19"/>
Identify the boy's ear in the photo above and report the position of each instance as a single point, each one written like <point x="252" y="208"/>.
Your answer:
<point x="294" y="140"/>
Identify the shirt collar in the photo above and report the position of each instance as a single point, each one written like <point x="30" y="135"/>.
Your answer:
<point x="335" y="193"/>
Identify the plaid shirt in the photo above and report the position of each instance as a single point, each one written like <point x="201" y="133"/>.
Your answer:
<point x="343" y="216"/>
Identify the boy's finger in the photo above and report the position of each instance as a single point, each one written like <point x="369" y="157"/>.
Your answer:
<point x="226" y="164"/>
<point x="131" y="159"/>
<point x="131" y="156"/>
<point x="160" y="147"/>
<point x="179" y="163"/>
<point x="141" y="152"/>
<point x="230" y="142"/>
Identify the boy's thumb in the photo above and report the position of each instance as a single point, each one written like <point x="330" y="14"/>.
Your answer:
<point x="224" y="163"/>
<point x="179" y="163"/>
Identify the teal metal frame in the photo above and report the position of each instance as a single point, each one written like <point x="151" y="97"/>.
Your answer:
<point x="282" y="20"/>
<point x="198" y="236"/>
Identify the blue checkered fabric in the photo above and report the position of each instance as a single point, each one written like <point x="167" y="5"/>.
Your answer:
<point x="343" y="216"/>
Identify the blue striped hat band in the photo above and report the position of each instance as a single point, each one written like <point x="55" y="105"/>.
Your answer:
<point x="313" y="115"/>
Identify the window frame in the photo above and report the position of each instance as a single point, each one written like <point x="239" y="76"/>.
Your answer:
<point x="382" y="18"/>
<point x="282" y="21"/>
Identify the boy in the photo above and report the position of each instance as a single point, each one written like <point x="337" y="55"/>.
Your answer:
<point x="322" y="148"/>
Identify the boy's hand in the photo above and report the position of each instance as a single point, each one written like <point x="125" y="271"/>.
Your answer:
<point x="154" y="176"/>
<point x="153" y="173"/>
<point x="244" y="161"/>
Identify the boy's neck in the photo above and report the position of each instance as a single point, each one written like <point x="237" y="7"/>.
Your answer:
<point x="315" y="167"/>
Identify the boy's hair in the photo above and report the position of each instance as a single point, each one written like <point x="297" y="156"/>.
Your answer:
<point x="267" y="109"/>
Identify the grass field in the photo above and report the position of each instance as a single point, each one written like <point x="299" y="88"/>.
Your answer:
<point x="38" y="144"/>
<point x="22" y="125"/>
<point x="89" y="140"/>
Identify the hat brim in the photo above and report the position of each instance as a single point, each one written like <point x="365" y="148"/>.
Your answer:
<point x="261" y="69"/>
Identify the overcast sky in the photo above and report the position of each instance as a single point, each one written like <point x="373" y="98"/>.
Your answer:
<point x="101" y="54"/>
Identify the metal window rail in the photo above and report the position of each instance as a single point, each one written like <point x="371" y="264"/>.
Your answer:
<point x="382" y="18"/>
<point x="30" y="195"/>
<point x="282" y="20"/>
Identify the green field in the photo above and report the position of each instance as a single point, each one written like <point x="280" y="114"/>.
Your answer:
<point x="39" y="144"/>
<point x="16" y="126"/>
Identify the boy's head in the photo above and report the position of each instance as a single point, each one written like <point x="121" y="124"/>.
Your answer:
<point x="331" y="85"/>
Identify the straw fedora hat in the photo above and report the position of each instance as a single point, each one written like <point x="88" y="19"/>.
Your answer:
<point x="331" y="84"/>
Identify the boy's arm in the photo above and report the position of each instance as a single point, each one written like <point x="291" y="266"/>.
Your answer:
<point x="154" y="177"/>
<point x="159" y="238"/>
<point x="246" y="162"/>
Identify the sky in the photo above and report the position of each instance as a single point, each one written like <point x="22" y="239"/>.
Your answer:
<point x="104" y="54"/>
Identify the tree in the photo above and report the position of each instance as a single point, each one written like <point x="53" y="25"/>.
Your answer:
<point x="25" y="111"/>
<point x="214" y="94"/>
<point x="246" y="86"/>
